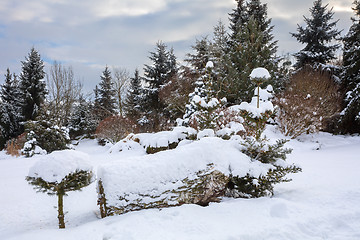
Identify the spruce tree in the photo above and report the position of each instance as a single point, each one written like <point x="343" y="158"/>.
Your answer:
<point x="201" y="55"/>
<point x="248" y="51"/>
<point x="251" y="45"/>
<point x="10" y="112"/>
<point x="318" y="36"/>
<point x="350" y="119"/>
<point x="157" y="75"/>
<point x="134" y="97"/>
<point x="32" y="85"/>
<point x="106" y="95"/>
<point x="82" y="121"/>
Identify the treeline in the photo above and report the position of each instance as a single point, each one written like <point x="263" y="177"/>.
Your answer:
<point x="318" y="92"/>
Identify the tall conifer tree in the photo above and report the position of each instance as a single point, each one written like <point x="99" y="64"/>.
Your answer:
<point x="134" y="97"/>
<point x="317" y="35"/>
<point x="350" y="119"/>
<point x="106" y="95"/>
<point x="157" y="75"/>
<point x="32" y="85"/>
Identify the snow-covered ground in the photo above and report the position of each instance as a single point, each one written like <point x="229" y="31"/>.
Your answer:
<point x="322" y="202"/>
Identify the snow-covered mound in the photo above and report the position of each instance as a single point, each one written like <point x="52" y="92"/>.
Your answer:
<point x="55" y="166"/>
<point x="163" y="179"/>
<point x="153" y="140"/>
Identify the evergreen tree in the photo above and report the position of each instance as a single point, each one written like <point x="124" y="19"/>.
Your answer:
<point x="237" y="18"/>
<point x="32" y="85"/>
<point x="10" y="112"/>
<point x="157" y="76"/>
<point x="201" y="56"/>
<point x="82" y="120"/>
<point x="251" y="45"/>
<point x="106" y="95"/>
<point x="350" y="119"/>
<point x="248" y="52"/>
<point x="318" y="36"/>
<point x="134" y="97"/>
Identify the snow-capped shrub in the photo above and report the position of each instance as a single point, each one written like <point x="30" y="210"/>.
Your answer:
<point x="61" y="172"/>
<point x="309" y="102"/>
<point x="256" y="114"/>
<point x="42" y="137"/>
<point x="274" y="155"/>
<point x="115" y="128"/>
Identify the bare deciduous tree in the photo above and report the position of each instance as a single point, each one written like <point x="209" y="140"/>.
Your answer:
<point x="64" y="90"/>
<point x="121" y="82"/>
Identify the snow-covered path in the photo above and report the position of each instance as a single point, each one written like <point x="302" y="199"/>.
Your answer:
<point x="322" y="202"/>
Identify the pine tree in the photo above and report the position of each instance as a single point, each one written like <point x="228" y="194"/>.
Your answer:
<point x="318" y="36"/>
<point x="32" y="85"/>
<point x="134" y="97"/>
<point x="350" y="119"/>
<point x="106" y="95"/>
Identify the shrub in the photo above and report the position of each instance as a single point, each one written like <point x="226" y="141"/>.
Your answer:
<point x="69" y="172"/>
<point x="43" y="137"/>
<point x="115" y="128"/>
<point x="14" y="146"/>
<point x="309" y="102"/>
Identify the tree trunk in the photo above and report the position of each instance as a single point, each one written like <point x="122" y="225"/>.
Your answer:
<point x="61" y="210"/>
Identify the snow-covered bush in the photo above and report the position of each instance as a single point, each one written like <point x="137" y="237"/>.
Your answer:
<point x="255" y="145"/>
<point x="115" y="128"/>
<point x="42" y="137"/>
<point x="260" y="150"/>
<point x="309" y="102"/>
<point x="61" y="172"/>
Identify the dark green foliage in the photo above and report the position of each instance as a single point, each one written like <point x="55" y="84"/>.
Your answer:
<point x="45" y="135"/>
<point x="32" y="86"/>
<point x="71" y="182"/>
<point x="157" y="75"/>
<point x="263" y="152"/>
<point x="105" y="95"/>
<point x="350" y="120"/>
<point x="318" y="36"/>
<point x="83" y="121"/>
<point x="258" y="150"/>
<point x="251" y="187"/>
<point x="251" y="46"/>
<point x="133" y="103"/>
<point x="10" y="109"/>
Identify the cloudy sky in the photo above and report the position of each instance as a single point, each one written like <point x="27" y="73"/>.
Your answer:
<point x="90" y="34"/>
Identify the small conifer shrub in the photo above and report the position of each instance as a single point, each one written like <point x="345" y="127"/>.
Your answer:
<point x="68" y="173"/>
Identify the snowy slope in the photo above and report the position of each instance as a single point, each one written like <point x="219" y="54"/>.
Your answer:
<point x="322" y="202"/>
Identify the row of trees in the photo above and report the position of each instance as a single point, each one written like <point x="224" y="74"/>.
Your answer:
<point x="166" y="91"/>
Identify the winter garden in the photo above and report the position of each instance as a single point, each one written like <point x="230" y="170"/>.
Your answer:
<point x="236" y="143"/>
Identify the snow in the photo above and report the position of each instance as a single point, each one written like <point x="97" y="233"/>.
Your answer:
<point x="322" y="202"/>
<point x="209" y="64"/>
<point x="57" y="165"/>
<point x="260" y="73"/>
